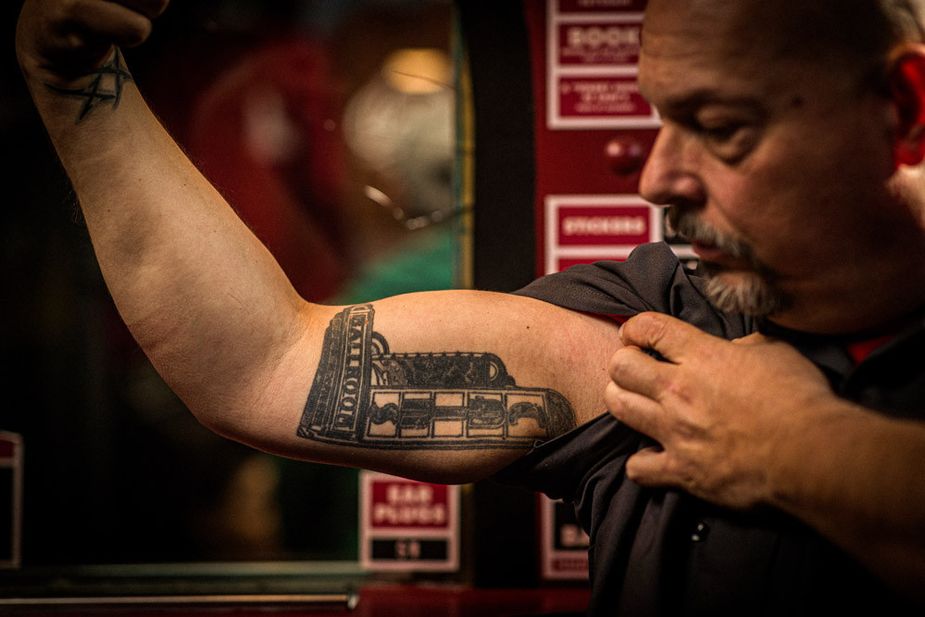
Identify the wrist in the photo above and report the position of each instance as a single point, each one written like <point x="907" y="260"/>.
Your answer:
<point x="104" y="87"/>
<point x="69" y="72"/>
<point x="807" y="460"/>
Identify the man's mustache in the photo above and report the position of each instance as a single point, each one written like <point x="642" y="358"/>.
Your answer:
<point x="685" y="223"/>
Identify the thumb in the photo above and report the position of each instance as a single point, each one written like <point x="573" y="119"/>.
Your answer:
<point x="670" y="337"/>
<point x="649" y="467"/>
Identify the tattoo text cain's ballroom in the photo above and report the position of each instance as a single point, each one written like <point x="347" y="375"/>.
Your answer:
<point x="365" y="395"/>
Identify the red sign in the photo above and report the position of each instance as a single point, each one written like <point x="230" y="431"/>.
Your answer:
<point x="601" y="6"/>
<point x="587" y="228"/>
<point x="408" y="526"/>
<point x="11" y="478"/>
<point x="596" y="97"/>
<point x="596" y="226"/>
<point x="599" y="43"/>
<point x="563" y="546"/>
<point x="563" y="565"/>
<point x="409" y="505"/>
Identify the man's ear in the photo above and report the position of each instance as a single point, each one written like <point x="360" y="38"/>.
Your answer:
<point x="907" y="88"/>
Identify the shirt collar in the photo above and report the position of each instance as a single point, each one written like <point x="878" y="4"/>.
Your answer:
<point x="832" y="352"/>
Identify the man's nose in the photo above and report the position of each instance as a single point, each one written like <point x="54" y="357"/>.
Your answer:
<point x="671" y="173"/>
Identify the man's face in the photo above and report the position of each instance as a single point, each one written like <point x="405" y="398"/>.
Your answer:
<point x="777" y="168"/>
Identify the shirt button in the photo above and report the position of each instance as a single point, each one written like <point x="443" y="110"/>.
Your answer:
<point x="701" y="530"/>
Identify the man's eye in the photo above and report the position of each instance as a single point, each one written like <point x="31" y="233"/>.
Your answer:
<point x="730" y="141"/>
<point x="721" y="133"/>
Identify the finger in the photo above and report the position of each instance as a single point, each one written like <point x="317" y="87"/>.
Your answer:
<point x="670" y="337"/>
<point x="638" y="412"/>
<point x="634" y="370"/>
<point x="651" y="467"/>
<point x="110" y="22"/>
<point x="148" y="8"/>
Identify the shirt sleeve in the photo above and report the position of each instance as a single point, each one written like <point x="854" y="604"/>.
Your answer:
<point x="561" y="467"/>
<point x="651" y="279"/>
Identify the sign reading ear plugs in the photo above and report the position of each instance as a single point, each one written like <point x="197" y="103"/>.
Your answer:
<point x="408" y="526"/>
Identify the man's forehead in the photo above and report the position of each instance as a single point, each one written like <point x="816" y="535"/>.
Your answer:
<point x="763" y="48"/>
<point x="847" y="31"/>
<point x="711" y="51"/>
<point x="693" y="44"/>
<point x="726" y="26"/>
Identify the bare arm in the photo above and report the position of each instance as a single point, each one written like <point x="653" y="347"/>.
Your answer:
<point x="756" y="423"/>
<point x="447" y="386"/>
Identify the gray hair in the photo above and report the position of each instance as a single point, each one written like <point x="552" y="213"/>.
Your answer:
<point x="906" y="16"/>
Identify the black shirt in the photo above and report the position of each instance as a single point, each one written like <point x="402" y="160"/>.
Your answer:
<point x="663" y="552"/>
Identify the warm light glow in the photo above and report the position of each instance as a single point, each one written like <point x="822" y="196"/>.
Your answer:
<point x="418" y="71"/>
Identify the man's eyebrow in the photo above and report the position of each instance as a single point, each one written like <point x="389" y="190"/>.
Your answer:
<point x="690" y="102"/>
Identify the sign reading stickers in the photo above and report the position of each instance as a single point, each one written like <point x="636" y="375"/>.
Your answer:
<point x="589" y="228"/>
<point x="408" y="526"/>
<point x="592" y="57"/>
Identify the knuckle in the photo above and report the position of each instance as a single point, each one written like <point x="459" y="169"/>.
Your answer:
<point x="646" y="330"/>
<point x="653" y="326"/>
<point x="138" y="32"/>
<point x="678" y="389"/>
<point x="617" y="363"/>
<point x="686" y="475"/>
<point x="688" y="431"/>
<point x="612" y="398"/>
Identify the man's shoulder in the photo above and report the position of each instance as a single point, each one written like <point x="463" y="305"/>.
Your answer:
<point x="652" y="278"/>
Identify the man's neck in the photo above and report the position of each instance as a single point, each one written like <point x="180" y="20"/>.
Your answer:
<point x="884" y="305"/>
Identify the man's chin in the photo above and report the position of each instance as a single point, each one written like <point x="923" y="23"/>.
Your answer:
<point x="742" y="291"/>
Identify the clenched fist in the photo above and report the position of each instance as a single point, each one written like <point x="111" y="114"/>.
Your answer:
<point x="58" y="40"/>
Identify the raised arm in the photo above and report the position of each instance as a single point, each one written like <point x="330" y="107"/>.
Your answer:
<point x="448" y="386"/>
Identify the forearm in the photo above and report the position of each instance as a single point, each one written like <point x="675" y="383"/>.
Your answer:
<point x="199" y="292"/>
<point x="856" y="477"/>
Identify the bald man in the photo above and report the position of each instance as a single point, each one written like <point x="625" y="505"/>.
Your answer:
<point x="779" y="473"/>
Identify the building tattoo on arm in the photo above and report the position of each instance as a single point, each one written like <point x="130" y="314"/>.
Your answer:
<point x="365" y="395"/>
<point x="106" y="85"/>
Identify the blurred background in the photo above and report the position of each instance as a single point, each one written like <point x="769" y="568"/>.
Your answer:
<point x="329" y="127"/>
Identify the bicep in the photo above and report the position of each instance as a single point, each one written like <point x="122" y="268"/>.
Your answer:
<point x="446" y="386"/>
